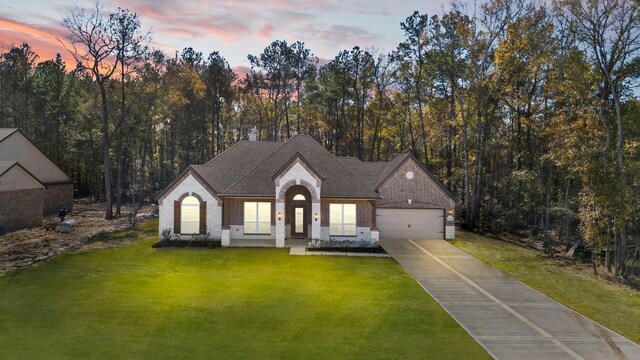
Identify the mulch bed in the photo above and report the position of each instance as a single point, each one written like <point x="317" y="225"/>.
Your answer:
<point x="192" y="244"/>
<point x="372" y="250"/>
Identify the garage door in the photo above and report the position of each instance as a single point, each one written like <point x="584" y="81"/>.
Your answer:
<point x="415" y="224"/>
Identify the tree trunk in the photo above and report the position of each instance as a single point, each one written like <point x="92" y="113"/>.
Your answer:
<point x="106" y="144"/>
<point x="621" y="254"/>
<point x="547" y="204"/>
<point x="119" y="180"/>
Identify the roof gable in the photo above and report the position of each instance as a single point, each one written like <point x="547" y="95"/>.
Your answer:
<point x="14" y="146"/>
<point x="189" y="170"/>
<point x="297" y="157"/>
<point x="15" y="177"/>
<point x="398" y="161"/>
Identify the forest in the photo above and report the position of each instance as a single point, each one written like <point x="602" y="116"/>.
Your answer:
<point x="527" y="111"/>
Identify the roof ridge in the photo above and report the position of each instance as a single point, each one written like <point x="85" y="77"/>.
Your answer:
<point x="236" y="143"/>
<point x="219" y="155"/>
<point x="253" y="167"/>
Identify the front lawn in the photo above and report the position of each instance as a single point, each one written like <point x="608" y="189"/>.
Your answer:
<point x="611" y="305"/>
<point x="139" y="302"/>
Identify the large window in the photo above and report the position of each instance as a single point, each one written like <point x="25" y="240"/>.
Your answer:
<point x="257" y="217"/>
<point x="190" y="215"/>
<point x="342" y="219"/>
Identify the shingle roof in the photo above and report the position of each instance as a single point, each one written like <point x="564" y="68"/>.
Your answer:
<point x="5" y="132"/>
<point x="248" y="169"/>
<point x="367" y="172"/>
<point x="338" y="181"/>
<point x="226" y="168"/>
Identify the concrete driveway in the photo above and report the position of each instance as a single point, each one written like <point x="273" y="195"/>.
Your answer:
<point x="508" y="318"/>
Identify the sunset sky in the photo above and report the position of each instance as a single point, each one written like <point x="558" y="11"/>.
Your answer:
<point x="235" y="28"/>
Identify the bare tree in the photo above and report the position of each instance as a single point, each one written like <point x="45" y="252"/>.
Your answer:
<point x="131" y="48"/>
<point x="94" y="47"/>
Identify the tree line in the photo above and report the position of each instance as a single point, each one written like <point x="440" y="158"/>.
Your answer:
<point x="527" y="112"/>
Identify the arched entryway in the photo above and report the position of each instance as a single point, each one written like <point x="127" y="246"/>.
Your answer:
<point x="298" y="212"/>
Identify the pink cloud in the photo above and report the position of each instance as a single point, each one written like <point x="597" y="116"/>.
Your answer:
<point x="266" y="31"/>
<point x="342" y="35"/>
<point x="45" y="41"/>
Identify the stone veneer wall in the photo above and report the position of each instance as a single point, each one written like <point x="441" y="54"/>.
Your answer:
<point x="190" y="185"/>
<point x="56" y="197"/>
<point x="20" y="209"/>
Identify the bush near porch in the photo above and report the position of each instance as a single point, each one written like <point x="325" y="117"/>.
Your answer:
<point x="140" y="302"/>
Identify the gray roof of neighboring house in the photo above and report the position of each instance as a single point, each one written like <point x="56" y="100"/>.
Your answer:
<point x="5" y="132"/>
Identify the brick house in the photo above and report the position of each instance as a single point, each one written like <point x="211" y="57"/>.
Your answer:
<point x="30" y="178"/>
<point x="276" y="190"/>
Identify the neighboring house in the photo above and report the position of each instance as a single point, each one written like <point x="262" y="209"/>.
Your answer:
<point x="57" y="187"/>
<point x="20" y="198"/>
<point x="297" y="189"/>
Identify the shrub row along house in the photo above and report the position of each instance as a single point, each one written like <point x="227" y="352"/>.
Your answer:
<point x="31" y="185"/>
<point x="276" y="190"/>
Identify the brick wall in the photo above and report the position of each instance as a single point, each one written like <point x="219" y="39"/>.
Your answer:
<point x="236" y="210"/>
<point x="56" y="197"/>
<point x="423" y="191"/>
<point x="20" y="209"/>
<point x="363" y="211"/>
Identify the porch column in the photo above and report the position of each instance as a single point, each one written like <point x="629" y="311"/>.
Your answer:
<point x="225" y="236"/>
<point x="375" y="233"/>
<point x="315" y="224"/>
<point x="280" y="216"/>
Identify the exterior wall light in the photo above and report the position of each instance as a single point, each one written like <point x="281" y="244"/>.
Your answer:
<point x="450" y="212"/>
<point x="316" y="217"/>
<point x="409" y="201"/>
<point x="279" y="216"/>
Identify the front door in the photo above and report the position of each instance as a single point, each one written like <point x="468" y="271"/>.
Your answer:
<point x="299" y="226"/>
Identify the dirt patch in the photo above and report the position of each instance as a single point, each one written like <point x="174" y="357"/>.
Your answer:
<point x="23" y="248"/>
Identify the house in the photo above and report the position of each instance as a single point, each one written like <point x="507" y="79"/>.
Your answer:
<point x="296" y="189"/>
<point x="29" y="180"/>
<point x="18" y="187"/>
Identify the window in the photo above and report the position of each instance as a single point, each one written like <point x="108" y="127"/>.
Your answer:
<point x="299" y="197"/>
<point x="190" y="215"/>
<point x="342" y="219"/>
<point x="257" y="217"/>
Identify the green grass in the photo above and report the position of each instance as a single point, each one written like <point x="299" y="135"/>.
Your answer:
<point x="611" y="305"/>
<point x="139" y="302"/>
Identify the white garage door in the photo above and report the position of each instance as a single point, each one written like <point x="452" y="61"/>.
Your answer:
<point x="415" y="224"/>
